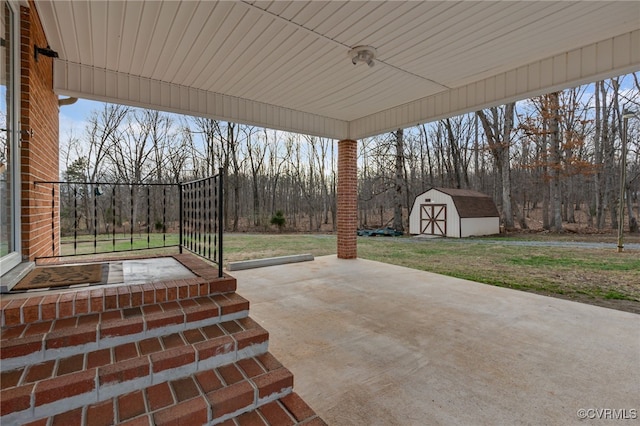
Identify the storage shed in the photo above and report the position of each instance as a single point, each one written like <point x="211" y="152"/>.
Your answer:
<point x="454" y="213"/>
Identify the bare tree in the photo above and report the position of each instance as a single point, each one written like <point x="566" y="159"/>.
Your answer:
<point x="498" y="127"/>
<point x="318" y="151"/>
<point x="102" y="134"/>
<point x="564" y="154"/>
<point x="178" y="156"/>
<point x="255" y="151"/>
<point x="399" y="181"/>
<point x="553" y="113"/>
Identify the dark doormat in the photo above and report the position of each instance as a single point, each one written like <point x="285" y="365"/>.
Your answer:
<point x="42" y="278"/>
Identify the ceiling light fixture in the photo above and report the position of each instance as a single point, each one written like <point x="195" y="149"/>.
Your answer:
<point x="365" y="54"/>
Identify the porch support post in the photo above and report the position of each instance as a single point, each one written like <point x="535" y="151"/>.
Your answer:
<point x="347" y="199"/>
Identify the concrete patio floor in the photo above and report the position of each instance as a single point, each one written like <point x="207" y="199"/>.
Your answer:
<point x="376" y="344"/>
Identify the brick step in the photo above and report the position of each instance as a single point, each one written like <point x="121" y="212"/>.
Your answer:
<point x="253" y="391"/>
<point x="175" y="352"/>
<point x="72" y="382"/>
<point x="286" y="411"/>
<point x="40" y="341"/>
<point x="32" y="307"/>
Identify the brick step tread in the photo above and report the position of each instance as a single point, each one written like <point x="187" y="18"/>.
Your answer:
<point x="45" y="340"/>
<point x="289" y="410"/>
<point x="96" y="300"/>
<point x="234" y="394"/>
<point x="148" y="359"/>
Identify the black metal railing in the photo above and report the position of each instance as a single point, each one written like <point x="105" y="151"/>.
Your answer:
<point x="104" y="217"/>
<point x="201" y="218"/>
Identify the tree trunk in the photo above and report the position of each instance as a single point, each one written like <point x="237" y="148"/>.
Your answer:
<point x="506" y="165"/>
<point x="236" y="201"/>
<point x="633" y="222"/>
<point x="477" y="183"/>
<point x="397" y="194"/>
<point x="455" y="153"/>
<point x="598" y="154"/>
<point x="556" y="195"/>
<point x="499" y="140"/>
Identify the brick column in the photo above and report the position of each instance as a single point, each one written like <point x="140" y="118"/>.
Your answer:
<point x="40" y="147"/>
<point x="347" y="194"/>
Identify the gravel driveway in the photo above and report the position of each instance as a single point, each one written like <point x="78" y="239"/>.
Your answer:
<point x="575" y="244"/>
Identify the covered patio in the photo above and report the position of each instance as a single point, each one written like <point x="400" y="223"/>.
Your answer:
<point x="335" y="69"/>
<point x="377" y="344"/>
<point x="369" y="343"/>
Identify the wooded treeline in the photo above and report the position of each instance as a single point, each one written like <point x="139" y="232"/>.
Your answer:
<point x="558" y="155"/>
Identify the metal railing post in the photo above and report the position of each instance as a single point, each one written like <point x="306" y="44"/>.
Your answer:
<point x="75" y="220"/>
<point x="164" y="216"/>
<point x="180" y="218"/>
<point x="53" y="219"/>
<point x="148" y="216"/>
<point x="220" y="220"/>
<point x="113" y="213"/>
<point x="132" y="220"/>
<point x="95" y="219"/>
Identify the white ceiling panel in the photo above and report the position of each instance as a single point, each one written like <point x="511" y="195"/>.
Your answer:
<point x="126" y="40"/>
<point x="290" y="58"/>
<point x="289" y="11"/>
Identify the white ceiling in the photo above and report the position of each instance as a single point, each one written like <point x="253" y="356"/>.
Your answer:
<point x="285" y="64"/>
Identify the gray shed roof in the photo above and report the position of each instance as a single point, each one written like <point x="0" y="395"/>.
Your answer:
<point x="471" y="203"/>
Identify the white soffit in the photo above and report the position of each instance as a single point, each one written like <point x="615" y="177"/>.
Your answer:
<point x="285" y="64"/>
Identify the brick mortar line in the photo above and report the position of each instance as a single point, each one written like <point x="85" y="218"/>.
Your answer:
<point x="49" y="354"/>
<point x="223" y="304"/>
<point x="105" y="392"/>
<point x="187" y="283"/>
<point x="236" y="338"/>
<point x="254" y="406"/>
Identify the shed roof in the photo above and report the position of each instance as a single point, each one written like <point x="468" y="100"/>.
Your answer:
<point x="471" y="203"/>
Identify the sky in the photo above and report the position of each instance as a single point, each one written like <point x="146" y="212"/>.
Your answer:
<point x="75" y="116"/>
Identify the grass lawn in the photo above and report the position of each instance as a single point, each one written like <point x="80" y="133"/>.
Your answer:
<point x="105" y="243"/>
<point x="594" y="275"/>
<point x="599" y="276"/>
<point x="157" y="244"/>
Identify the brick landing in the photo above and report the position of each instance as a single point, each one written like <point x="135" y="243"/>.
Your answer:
<point x="174" y="352"/>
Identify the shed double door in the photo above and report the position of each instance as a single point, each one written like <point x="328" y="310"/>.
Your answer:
<point x="433" y="219"/>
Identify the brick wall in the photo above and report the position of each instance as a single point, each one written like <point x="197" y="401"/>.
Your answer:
<point x="40" y="149"/>
<point x="347" y="213"/>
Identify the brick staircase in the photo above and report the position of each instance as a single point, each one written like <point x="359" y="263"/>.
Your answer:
<point x="182" y="352"/>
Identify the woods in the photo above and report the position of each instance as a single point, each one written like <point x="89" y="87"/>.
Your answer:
<point x="549" y="162"/>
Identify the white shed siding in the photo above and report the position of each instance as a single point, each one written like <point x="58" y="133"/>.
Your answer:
<point x="414" y="218"/>
<point x="456" y="227"/>
<point x="436" y="197"/>
<point x="480" y="226"/>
